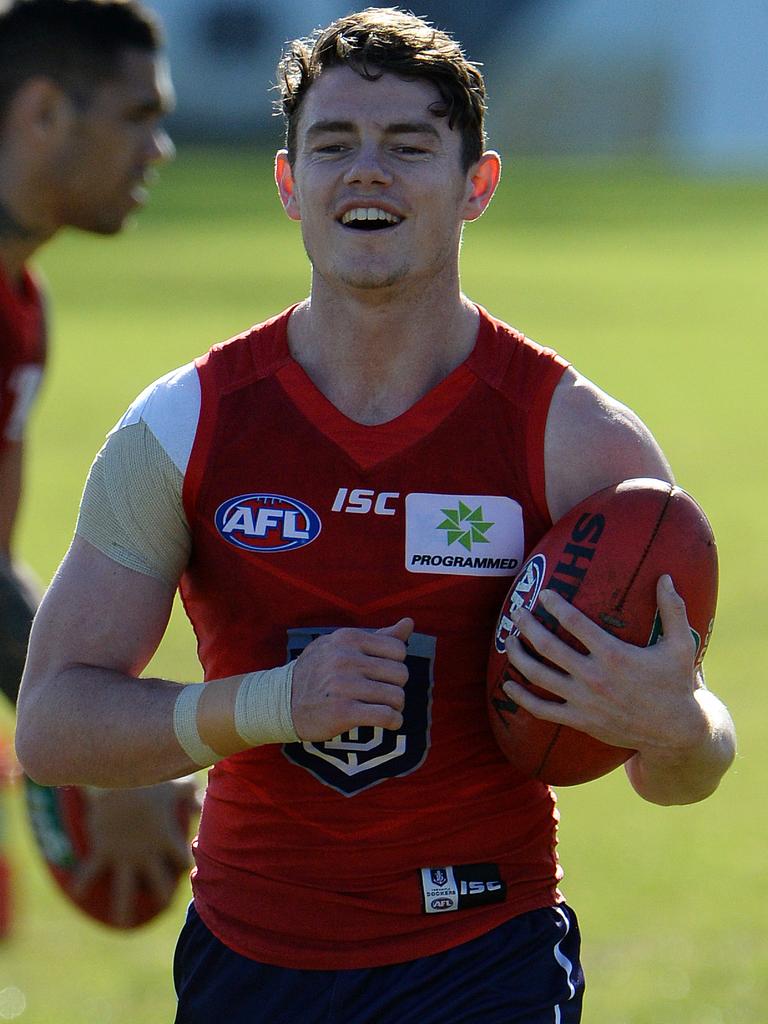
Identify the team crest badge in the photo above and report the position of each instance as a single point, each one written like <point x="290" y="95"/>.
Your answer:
<point x="366" y="756"/>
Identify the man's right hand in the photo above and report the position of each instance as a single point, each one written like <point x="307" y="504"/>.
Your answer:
<point x="349" y="678"/>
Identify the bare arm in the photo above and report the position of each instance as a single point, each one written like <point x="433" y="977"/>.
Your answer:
<point x="11" y="460"/>
<point x="85" y="717"/>
<point x="647" y="699"/>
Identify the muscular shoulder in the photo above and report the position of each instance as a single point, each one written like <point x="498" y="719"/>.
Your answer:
<point x="592" y="441"/>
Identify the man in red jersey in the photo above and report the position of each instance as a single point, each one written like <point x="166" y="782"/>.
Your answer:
<point x="83" y="88"/>
<point x="343" y="494"/>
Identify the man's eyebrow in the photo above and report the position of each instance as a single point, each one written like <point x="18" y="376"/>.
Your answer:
<point x="412" y="128"/>
<point x="396" y="128"/>
<point x="319" y="127"/>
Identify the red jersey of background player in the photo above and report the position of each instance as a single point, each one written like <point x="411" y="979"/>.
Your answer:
<point x="374" y="847"/>
<point x="22" y="352"/>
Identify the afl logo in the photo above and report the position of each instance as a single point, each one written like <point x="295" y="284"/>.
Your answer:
<point x="267" y="522"/>
<point x="522" y="595"/>
<point x="442" y="904"/>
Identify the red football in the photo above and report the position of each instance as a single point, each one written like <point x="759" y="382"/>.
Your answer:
<point x="58" y="819"/>
<point x="605" y="557"/>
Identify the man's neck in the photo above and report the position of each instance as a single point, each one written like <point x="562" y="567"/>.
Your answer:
<point x="21" y="231"/>
<point x="374" y="361"/>
<point x="17" y="243"/>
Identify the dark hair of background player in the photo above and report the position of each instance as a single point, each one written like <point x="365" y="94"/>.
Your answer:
<point x="75" y="43"/>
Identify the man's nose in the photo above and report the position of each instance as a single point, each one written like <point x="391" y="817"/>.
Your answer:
<point x="368" y="167"/>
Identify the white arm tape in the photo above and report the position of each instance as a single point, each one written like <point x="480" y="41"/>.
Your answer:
<point x="263" y="707"/>
<point x="185" y="727"/>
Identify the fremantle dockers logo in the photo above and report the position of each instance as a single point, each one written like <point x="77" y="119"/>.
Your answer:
<point x="365" y="756"/>
<point x="522" y="595"/>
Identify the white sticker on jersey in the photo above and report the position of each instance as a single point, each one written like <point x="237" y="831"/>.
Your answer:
<point x="461" y="887"/>
<point x="463" y="534"/>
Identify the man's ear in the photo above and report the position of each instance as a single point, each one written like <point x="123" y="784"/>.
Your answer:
<point x="482" y="180"/>
<point x="286" y="185"/>
<point x="41" y="110"/>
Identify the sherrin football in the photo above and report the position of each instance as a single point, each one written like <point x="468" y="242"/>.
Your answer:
<point x="57" y="815"/>
<point x="605" y="557"/>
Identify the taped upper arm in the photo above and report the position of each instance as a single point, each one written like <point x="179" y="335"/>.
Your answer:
<point x="132" y="508"/>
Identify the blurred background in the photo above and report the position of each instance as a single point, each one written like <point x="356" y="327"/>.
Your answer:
<point x="630" y="232"/>
<point x="686" y="80"/>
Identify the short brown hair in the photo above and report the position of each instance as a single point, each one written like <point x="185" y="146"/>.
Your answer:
<point x="75" y="43"/>
<point x="387" y="39"/>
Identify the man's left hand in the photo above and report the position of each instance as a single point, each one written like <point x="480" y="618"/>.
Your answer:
<point x="642" y="698"/>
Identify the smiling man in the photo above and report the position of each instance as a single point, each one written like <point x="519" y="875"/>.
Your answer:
<point x="83" y="90"/>
<point x="343" y="494"/>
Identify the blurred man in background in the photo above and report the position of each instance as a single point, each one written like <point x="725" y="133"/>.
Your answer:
<point x="83" y="90"/>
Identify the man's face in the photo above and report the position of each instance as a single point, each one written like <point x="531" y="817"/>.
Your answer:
<point x="377" y="181"/>
<point x="104" y="163"/>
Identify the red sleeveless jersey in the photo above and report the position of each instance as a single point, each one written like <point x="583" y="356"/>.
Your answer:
<point x="373" y="847"/>
<point x="22" y="353"/>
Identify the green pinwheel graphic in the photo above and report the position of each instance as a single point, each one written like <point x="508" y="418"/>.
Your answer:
<point x="465" y="525"/>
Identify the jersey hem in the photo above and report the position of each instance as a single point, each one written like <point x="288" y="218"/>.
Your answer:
<point x="404" y="950"/>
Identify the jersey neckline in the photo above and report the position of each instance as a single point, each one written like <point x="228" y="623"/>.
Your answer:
<point x="370" y="444"/>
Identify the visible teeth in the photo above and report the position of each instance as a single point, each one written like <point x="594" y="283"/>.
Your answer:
<point x="369" y="213"/>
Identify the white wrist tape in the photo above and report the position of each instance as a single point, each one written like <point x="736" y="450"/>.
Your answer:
<point x="263" y="707"/>
<point x="185" y="727"/>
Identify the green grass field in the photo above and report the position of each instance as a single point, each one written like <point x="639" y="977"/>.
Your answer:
<point x="653" y="285"/>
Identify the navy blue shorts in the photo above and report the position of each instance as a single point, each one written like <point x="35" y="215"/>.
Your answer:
<point x="526" y="971"/>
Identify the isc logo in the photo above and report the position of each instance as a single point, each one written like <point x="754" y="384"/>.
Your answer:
<point x="360" y="501"/>
<point x="475" y="888"/>
<point x="267" y="522"/>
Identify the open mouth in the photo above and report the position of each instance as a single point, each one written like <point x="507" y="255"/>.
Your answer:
<point x="369" y="218"/>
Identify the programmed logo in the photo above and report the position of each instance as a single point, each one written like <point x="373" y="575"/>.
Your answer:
<point x="463" y="534"/>
<point x="267" y="523"/>
<point x="522" y="595"/>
